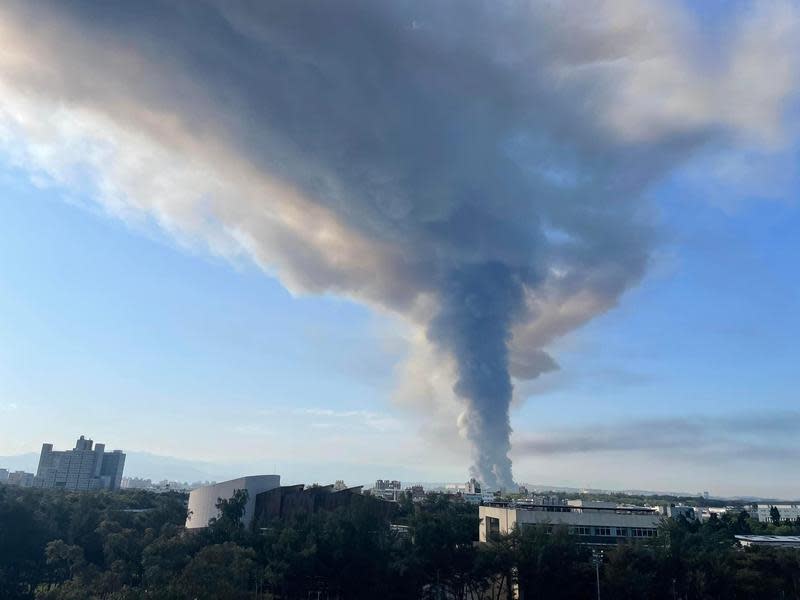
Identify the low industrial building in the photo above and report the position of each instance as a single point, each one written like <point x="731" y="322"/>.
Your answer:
<point x="788" y="512"/>
<point x="598" y="523"/>
<point x="287" y="501"/>
<point x="775" y="541"/>
<point x="203" y="500"/>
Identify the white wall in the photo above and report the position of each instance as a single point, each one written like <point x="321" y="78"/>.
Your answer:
<point x="202" y="501"/>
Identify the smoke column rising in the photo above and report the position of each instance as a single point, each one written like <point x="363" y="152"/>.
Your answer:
<point x="477" y="308"/>
<point x="478" y="168"/>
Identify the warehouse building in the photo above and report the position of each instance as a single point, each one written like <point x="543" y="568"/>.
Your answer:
<point x="598" y="523"/>
<point x="787" y="512"/>
<point x="287" y="501"/>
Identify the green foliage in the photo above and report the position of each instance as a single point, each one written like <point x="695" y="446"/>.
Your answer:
<point x="551" y="565"/>
<point x="228" y="525"/>
<point x="57" y="545"/>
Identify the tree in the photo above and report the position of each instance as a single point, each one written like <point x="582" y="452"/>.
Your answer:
<point x="219" y="571"/>
<point x="229" y="525"/>
<point x="66" y="561"/>
<point x="774" y="515"/>
<point x="551" y="564"/>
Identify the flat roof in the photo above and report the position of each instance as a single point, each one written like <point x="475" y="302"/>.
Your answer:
<point x="772" y="539"/>
<point x="636" y="510"/>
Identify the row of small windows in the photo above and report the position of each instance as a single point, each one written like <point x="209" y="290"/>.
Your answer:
<point x="493" y="530"/>
<point x="637" y="532"/>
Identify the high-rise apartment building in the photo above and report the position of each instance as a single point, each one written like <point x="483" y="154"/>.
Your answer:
<point x="86" y="467"/>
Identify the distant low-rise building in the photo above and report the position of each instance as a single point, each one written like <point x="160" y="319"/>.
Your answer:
<point x="388" y="489"/>
<point x="551" y="500"/>
<point x="417" y="493"/>
<point x="787" y="512"/>
<point x="599" y="523"/>
<point x="136" y="483"/>
<point x="20" y="478"/>
<point x="473" y="486"/>
<point x="775" y="541"/>
<point x="86" y="467"/>
<point x="679" y="510"/>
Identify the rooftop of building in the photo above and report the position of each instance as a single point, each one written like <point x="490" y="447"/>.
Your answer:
<point x="770" y="539"/>
<point x="583" y="507"/>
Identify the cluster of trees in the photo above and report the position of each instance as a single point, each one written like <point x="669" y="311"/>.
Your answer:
<point x="131" y="545"/>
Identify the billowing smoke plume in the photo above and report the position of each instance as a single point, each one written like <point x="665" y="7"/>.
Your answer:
<point x="478" y="305"/>
<point x="475" y="167"/>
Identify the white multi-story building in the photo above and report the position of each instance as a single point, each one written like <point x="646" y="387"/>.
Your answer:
<point x="86" y="467"/>
<point x="600" y="523"/>
<point x="788" y="512"/>
<point x="3" y="475"/>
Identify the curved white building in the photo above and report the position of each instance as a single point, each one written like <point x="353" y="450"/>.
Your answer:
<point x="203" y="501"/>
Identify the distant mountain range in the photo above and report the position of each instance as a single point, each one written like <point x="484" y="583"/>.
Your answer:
<point x="145" y="465"/>
<point x="157" y="468"/>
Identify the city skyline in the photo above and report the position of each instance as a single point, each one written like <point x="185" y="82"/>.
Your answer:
<point x="139" y="302"/>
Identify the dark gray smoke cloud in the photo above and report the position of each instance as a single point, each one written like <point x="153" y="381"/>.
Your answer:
<point x="478" y="306"/>
<point x="476" y="167"/>
<point x="749" y="436"/>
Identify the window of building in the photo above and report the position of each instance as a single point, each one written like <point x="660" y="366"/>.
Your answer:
<point x="602" y="531"/>
<point x="583" y="531"/>
<point x="622" y="532"/>
<point x="492" y="528"/>
<point x="641" y="532"/>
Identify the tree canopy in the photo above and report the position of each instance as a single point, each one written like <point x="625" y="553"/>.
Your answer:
<point x="131" y="545"/>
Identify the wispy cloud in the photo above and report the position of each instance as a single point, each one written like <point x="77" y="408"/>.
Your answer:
<point x="353" y="418"/>
<point x="363" y="421"/>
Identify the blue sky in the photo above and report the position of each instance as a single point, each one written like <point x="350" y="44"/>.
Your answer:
<point x="123" y="335"/>
<point x="255" y="267"/>
<point x="115" y="330"/>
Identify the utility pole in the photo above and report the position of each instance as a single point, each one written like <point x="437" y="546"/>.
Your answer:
<point x="597" y="558"/>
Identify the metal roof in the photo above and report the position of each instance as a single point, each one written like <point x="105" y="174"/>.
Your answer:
<point x="771" y="539"/>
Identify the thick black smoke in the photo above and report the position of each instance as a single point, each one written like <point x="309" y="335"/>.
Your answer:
<point x="476" y="167"/>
